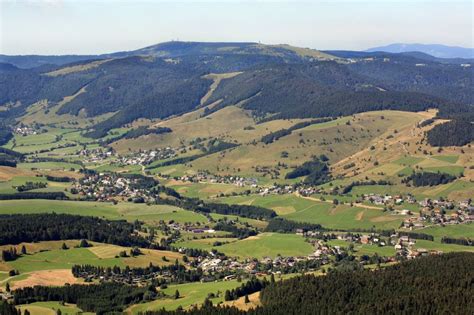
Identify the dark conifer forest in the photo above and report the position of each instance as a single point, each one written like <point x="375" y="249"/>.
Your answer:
<point x="431" y="285"/>
<point x="18" y="228"/>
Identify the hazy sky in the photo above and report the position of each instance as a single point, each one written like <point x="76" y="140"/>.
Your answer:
<point x="100" y="26"/>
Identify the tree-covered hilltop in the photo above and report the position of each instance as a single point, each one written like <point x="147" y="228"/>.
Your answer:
<point x="274" y="80"/>
<point x="330" y="89"/>
<point x="440" y="284"/>
<point x="9" y="157"/>
<point x="457" y="132"/>
<point x="98" y="298"/>
<point x="18" y="228"/>
<point x="316" y="171"/>
<point x="5" y="133"/>
<point x="428" y="179"/>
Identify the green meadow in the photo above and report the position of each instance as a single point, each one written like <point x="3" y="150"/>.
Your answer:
<point x="127" y="211"/>
<point x="51" y="308"/>
<point x="61" y="259"/>
<point x="325" y="213"/>
<point x="191" y="294"/>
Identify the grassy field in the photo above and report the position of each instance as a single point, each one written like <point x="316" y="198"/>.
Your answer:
<point x="203" y="190"/>
<point x="51" y="308"/>
<point x="191" y="294"/>
<point x="445" y="248"/>
<point x="129" y="211"/>
<point x="50" y="166"/>
<point x="312" y="211"/>
<point x="61" y="259"/>
<point x="268" y="244"/>
<point x="262" y="245"/>
<point x="47" y="264"/>
<point x="456" y="231"/>
<point x="204" y="243"/>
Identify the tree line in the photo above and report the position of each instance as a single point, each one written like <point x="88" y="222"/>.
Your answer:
<point x="281" y="225"/>
<point x="458" y="131"/>
<point x="18" y="228"/>
<point x="440" y="284"/>
<point x="53" y="195"/>
<point x="274" y="136"/>
<point x="98" y="298"/>
<point x="197" y="205"/>
<point x="428" y="179"/>
<point x="316" y="172"/>
<point x="458" y="241"/>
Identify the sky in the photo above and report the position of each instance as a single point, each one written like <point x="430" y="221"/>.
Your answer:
<point x="55" y="27"/>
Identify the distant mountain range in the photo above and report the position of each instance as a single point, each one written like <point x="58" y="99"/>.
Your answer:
<point x="273" y="81"/>
<point x="436" y="50"/>
<point x="175" y="49"/>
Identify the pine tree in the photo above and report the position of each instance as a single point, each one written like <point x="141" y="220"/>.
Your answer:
<point x="23" y="250"/>
<point x="176" y="295"/>
<point x="227" y="296"/>
<point x="246" y="299"/>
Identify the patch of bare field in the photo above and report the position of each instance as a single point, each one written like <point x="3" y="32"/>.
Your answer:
<point x="252" y="238"/>
<point x="360" y="215"/>
<point x="7" y="173"/>
<point x="254" y="301"/>
<point x="385" y="219"/>
<point x="284" y="210"/>
<point x="77" y="68"/>
<point x="217" y="78"/>
<point x="57" y="277"/>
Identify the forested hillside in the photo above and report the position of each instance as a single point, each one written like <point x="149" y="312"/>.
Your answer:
<point x="430" y="285"/>
<point x="332" y="89"/>
<point x="286" y="82"/>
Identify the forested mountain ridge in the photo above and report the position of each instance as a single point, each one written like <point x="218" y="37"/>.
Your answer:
<point x="173" y="49"/>
<point x="275" y="80"/>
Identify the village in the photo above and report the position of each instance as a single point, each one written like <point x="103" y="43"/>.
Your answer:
<point x="219" y="267"/>
<point x="206" y="177"/>
<point x="143" y="157"/>
<point x="114" y="187"/>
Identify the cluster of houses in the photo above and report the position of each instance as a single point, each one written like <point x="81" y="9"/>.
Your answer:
<point x="144" y="157"/>
<point x="96" y="155"/>
<point x="288" y="189"/>
<point x="190" y="228"/>
<point x="384" y="200"/>
<point x="147" y="157"/>
<point x="110" y="187"/>
<point x="441" y="212"/>
<point x="205" y="177"/>
<point x="25" y="130"/>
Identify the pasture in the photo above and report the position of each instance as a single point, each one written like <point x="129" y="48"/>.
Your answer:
<point x="129" y="211"/>
<point x="268" y="245"/>
<point x="312" y="210"/>
<point x="47" y="263"/>
<point x="51" y="308"/>
<point x="191" y="294"/>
